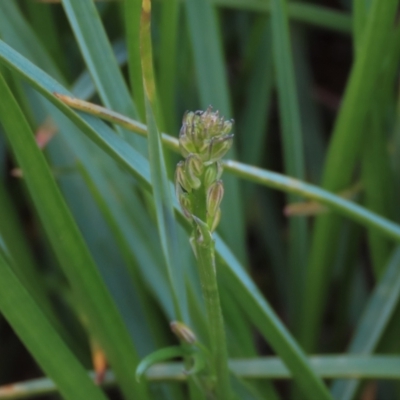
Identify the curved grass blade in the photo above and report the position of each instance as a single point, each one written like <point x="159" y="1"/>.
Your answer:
<point x="68" y="245"/>
<point x="41" y="339"/>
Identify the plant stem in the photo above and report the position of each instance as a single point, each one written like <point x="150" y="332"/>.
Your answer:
<point x="205" y="253"/>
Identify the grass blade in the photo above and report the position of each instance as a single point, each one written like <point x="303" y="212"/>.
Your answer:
<point x="159" y="180"/>
<point x="293" y="150"/>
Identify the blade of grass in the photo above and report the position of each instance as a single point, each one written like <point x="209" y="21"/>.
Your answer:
<point x="314" y="145"/>
<point x="71" y="250"/>
<point x="292" y="139"/>
<point x="132" y="21"/>
<point x="371" y="327"/>
<point x="44" y="23"/>
<point x="39" y="336"/>
<point x="312" y="14"/>
<point x="168" y="62"/>
<point x="19" y="252"/>
<point x="341" y="157"/>
<point x="159" y="180"/>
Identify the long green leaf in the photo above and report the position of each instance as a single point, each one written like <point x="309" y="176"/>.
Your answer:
<point x="312" y="14"/>
<point x="293" y="149"/>
<point x="159" y="180"/>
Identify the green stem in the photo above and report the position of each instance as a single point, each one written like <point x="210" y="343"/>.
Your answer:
<point x="205" y="253"/>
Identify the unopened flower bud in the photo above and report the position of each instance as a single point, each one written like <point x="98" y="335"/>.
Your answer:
<point x="181" y="178"/>
<point x="186" y="205"/>
<point x="215" y="193"/>
<point x="183" y="332"/>
<point x="194" y="164"/>
<point x="218" y="147"/>
<point x="212" y="173"/>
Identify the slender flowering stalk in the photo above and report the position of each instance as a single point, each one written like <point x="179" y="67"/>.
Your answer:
<point x="203" y="140"/>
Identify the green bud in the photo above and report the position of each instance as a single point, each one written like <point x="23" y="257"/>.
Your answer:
<point x="218" y="147"/>
<point x="183" y="332"/>
<point x="186" y="205"/>
<point x="194" y="164"/>
<point x="212" y="173"/>
<point x="193" y="168"/>
<point x="215" y="193"/>
<point x="181" y="178"/>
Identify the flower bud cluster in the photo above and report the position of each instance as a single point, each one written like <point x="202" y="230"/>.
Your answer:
<point x="203" y="140"/>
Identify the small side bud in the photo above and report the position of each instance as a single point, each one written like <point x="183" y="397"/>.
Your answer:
<point x="181" y="178"/>
<point x="193" y="169"/>
<point x="183" y="332"/>
<point x="186" y="205"/>
<point x="215" y="193"/>
<point x="212" y="173"/>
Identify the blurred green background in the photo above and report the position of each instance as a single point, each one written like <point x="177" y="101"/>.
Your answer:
<point x="302" y="269"/>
